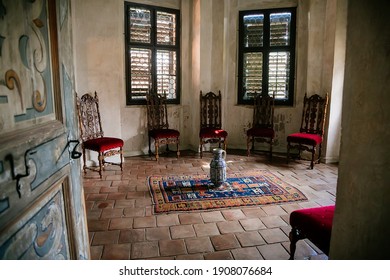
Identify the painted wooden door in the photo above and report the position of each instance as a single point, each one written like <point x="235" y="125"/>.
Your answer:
<point x="42" y="208"/>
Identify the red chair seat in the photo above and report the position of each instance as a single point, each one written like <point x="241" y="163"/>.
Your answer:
<point x="212" y="133"/>
<point x="103" y="144"/>
<point x="261" y="132"/>
<point x="164" y="133"/>
<point x="305" y="138"/>
<point x="315" y="224"/>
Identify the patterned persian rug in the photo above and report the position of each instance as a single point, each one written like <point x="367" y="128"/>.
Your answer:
<point x="196" y="192"/>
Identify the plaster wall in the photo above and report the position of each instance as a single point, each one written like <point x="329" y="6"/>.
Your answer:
<point x="316" y="36"/>
<point x="209" y="38"/>
<point x="360" y="225"/>
<point x="337" y="84"/>
<point x="209" y="57"/>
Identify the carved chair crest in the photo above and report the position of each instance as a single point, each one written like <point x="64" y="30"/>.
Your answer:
<point x="313" y="114"/>
<point x="263" y="113"/>
<point x="210" y="110"/>
<point x="157" y="112"/>
<point x="89" y="116"/>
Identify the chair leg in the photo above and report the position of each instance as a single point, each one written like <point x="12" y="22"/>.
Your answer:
<point x="201" y="147"/>
<point x="248" y="144"/>
<point x="294" y="237"/>
<point x="270" y="149"/>
<point x="101" y="159"/>
<point x="313" y="151"/>
<point x="247" y="147"/>
<point x="121" y="155"/>
<point x="319" y="153"/>
<point x="150" y="151"/>
<point x="84" y="162"/>
<point x="156" y="149"/>
<point x="288" y="151"/>
<point x="224" y="144"/>
<point x="177" y="147"/>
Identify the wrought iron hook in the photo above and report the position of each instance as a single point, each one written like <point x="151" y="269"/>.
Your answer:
<point x="75" y="154"/>
<point x="17" y="177"/>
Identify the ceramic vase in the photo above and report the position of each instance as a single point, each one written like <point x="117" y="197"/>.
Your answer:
<point x="218" y="167"/>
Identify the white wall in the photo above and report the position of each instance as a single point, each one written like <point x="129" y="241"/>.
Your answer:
<point x="208" y="62"/>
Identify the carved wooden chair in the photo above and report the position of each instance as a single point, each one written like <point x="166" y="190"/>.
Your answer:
<point x="210" y="121"/>
<point x="158" y="126"/>
<point x="262" y="129"/>
<point x="310" y="135"/>
<point x="92" y="135"/>
<point x="315" y="224"/>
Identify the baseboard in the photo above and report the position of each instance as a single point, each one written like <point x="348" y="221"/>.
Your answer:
<point x="330" y="159"/>
<point x="133" y="153"/>
<point x="143" y="153"/>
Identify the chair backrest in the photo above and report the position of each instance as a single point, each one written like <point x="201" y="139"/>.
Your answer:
<point x="89" y="116"/>
<point x="263" y="110"/>
<point x="314" y="114"/>
<point x="157" y="111"/>
<point x="210" y="110"/>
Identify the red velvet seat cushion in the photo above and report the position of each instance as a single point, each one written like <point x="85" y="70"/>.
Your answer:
<point x="305" y="138"/>
<point x="164" y="133"/>
<point x="103" y="144"/>
<point x="261" y="132"/>
<point x="315" y="224"/>
<point x="212" y="133"/>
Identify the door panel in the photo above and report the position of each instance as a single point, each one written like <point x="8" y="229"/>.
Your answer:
<point x="41" y="231"/>
<point x="42" y="209"/>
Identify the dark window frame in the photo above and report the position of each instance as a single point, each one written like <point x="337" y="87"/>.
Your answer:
<point x="154" y="47"/>
<point x="266" y="49"/>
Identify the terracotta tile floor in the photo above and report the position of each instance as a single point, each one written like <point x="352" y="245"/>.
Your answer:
<point x="122" y="226"/>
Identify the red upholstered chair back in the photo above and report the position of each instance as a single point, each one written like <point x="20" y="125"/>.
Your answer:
<point x="263" y="111"/>
<point x="157" y="112"/>
<point x="89" y="117"/>
<point x="210" y="110"/>
<point x="313" y="114"/>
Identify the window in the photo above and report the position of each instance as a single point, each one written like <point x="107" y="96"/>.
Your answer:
<point x="152" y="53"/>
<point x="266" y="55"/>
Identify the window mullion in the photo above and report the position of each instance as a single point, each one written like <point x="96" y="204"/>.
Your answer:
<point x="266" y="51"/>
<point x="154" y="51"/>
